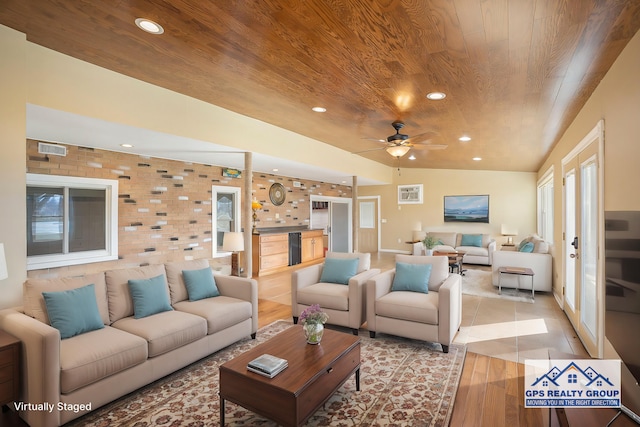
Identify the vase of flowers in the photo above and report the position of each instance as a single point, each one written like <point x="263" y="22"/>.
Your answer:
<point x="313" y="319"/>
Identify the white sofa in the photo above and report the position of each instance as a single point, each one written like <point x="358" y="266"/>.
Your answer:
<point x="97" y="367"/>
<point x="452" y="241"/>
<point x="540" y="261"/>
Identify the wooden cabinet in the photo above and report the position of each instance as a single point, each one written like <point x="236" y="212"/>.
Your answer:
<point x="312" y="245"/>
<point x="270" y="252"/>
<point x="9" y="368"/>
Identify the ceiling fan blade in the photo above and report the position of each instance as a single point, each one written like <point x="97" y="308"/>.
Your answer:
<point x="429" y="146"/>
<point x="375" y="140"/>
<point x="421" y="137"/>
<point x="371" y="149"/>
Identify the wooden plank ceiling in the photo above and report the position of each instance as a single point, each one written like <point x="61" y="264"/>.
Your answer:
<point x="515" y="72"/>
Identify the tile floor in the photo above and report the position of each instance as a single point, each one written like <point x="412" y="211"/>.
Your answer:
<point x="494" y="327"/>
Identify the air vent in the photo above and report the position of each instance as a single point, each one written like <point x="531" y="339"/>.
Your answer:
<point x="54" y="150"/>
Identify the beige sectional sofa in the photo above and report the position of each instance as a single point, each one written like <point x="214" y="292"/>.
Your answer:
<point x="453" y="241"/>
<point x="75" y="375"/>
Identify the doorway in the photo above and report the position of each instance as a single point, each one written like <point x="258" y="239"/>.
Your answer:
<point x="583" y="241"/>
<point x="369" y="230"/>
<point x="334" y="217"/>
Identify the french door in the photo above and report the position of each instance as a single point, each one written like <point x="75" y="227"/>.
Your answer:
<point x="583" y="241"/>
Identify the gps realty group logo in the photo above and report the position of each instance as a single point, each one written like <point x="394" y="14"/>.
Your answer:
<point x="570" y="383"/>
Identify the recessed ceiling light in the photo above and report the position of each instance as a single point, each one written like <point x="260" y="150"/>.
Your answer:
<point x="149" y="26"/>
<point x="126" y="145"/>
<point x="319" y="109"/>
<point x="274" y="170"/>
<point x="464" y="138"/>
<point x="436" y="95"/>
<point x="477" y="159"/>
<point x="412" y="157"/>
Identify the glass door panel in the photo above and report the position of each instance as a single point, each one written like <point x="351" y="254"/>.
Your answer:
<point x="589" y="246"/>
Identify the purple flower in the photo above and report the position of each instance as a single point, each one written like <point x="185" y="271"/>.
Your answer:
<point x="313" y="314"/>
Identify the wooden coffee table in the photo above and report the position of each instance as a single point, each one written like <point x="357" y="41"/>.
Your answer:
<point x="314" y="373"/>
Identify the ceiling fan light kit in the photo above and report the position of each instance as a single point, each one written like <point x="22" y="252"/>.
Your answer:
<point x="398" y="150"/>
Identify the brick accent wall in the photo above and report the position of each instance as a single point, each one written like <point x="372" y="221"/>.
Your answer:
<point x="164" y="206"/>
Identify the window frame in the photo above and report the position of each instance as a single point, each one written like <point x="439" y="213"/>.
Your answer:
<point x="544" y="217"/>
<point x="237" y="192"/>
<point x="110" y="253"/>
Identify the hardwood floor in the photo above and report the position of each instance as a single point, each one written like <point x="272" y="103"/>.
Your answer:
<point x="491" y="390"/>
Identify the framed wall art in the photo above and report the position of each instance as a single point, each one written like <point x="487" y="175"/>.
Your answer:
<point x="466" y="208"/>
<point x="410" y="194"/>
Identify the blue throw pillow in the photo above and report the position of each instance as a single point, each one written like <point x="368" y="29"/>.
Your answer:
<point x="339" y="270"/>
<point x="200" y="284"/>
<point x="471" y="240"/>
<point x="73" y="312"/>
<point x="527" y="247"/>
<point x="149" y="296"/>
<point x="411" y="277"/>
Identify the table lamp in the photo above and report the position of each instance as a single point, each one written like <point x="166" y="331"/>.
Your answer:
<point x="509" y="232"/>
<point x="4" y="273"/>
<point x="233" y="242"/>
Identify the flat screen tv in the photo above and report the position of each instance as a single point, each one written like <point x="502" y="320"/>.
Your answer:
<point x="466" y="208"/>
<point x="622" y="301"/>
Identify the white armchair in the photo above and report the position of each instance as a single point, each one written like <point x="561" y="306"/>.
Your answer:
<point x="433" y="316"/>
<point x="344" y="303"/>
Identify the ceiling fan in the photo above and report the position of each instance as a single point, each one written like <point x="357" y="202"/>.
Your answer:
<point x="399" y="144"/>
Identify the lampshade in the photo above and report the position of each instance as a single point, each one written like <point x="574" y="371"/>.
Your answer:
<point x="232" y="242"/>
<point x="4" y="273"/>
<point x="398" y="150"/>
<point x="418" y="235"/>
<point x="505" y="230"/>
<point x="256" y="205"/>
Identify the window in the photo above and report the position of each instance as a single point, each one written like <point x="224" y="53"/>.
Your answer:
<point x="226" y="211"/>
<point x="545" y="206"/>
<point x="70" y="220"/>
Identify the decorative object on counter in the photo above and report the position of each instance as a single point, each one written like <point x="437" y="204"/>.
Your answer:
<point x="313" y="319"/>
<point x="509" y="232"/>
<point x="4" y="273"/>
<point x="277" y="194"/>
<point x="233" y="242"/>
<point x="255" y="206"/>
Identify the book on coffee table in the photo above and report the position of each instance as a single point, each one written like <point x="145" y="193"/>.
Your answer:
<point x="267" y="365"/>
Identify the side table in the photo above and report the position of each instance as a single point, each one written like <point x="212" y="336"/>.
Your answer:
<point x="518" y="271"/>
<point x="9" y="368"/>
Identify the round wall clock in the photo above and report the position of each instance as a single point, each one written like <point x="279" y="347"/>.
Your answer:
<point x="277" y="194"/>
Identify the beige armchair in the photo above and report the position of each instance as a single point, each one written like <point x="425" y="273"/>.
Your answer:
<point x="434" y="316"/>
<point x="344" y="303"/>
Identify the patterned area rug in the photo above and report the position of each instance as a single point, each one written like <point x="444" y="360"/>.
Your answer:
<point x="402" y="383"/>
<point x="478" y="282"/>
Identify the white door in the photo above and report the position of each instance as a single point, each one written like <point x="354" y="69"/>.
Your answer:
<point x="583" y="238"/>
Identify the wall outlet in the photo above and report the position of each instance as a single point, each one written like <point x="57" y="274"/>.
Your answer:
<point x="399" y="240"/>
